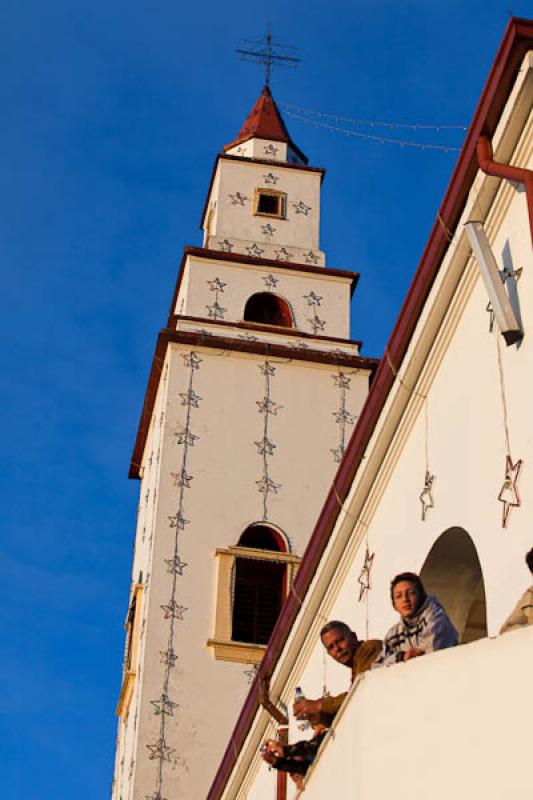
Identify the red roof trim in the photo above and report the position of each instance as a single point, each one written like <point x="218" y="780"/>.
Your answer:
<point x="517" y="40"/>
<point x="198" y="339"/>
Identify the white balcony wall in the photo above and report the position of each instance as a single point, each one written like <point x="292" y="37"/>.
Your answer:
<point x="455" y="724"/>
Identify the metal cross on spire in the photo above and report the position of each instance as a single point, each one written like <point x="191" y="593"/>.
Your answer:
<point x="264" y="51"/>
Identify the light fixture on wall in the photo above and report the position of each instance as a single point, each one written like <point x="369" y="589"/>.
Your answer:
<point x="499" y="300"/>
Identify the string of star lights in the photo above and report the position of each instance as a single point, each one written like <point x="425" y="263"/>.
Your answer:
<point x="265" y="446"/>
<point x="164" y="705"/>
<point x="336" y="123"/>
<point x="343" y="418"/>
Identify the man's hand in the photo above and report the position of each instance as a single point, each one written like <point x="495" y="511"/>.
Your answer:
<point x="413" y="653"/>
<point x="307" y="709"/>
<point x="271" y="751"/>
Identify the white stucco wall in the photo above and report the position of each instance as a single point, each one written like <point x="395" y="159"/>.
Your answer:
<point x="244" y="280"/>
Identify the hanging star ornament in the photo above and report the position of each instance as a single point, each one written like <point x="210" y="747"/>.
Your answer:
<point x="172" y="609"/>
<point x="163" y="705"/>
<point x="509" y="492"/>
<point x="175" y="565"/>
<point x="426" y="495"/>
<point x="364" y="579"/>
<point x="160" y="751"/>
<point x="252" y="672"/>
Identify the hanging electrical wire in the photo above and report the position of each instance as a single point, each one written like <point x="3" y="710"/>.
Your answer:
<point x="372" y="123"/>
<point x="318" y="121"/>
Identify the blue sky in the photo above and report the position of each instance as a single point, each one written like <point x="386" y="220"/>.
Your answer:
<point x="112" y="115"/>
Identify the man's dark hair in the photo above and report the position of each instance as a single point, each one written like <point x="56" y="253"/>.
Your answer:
<point x="335" y="625"/>
<point x="412" y="577"/>
<point x="529" y="559"/>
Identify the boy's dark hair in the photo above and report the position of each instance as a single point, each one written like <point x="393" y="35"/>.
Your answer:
<point x="529" y="559"/>
<point x="412" y="577"/>
<point x="335" y="625"/>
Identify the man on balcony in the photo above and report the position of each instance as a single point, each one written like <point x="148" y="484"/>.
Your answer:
<point x="343" y="646"/>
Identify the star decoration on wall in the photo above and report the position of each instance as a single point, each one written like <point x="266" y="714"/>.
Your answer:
<point x="426" y="495"/>
<point x="252" y="672"/>
<point x="265" y="446"/>
<point x="343" y="416"/>
<point x="164" y="705"/>
<point x="192" y="360"/>
<point x="342" y="380"/>
<point x="270" y="150"/>
<point x="241" y="150"/>
<point x="175" y="565"/>
<point x="186" y="437"/>
<point x="508" y="272"/>
<point x="168" y="657"/>
<point x="268" y="229"/>
<point x="178" y="521"/>
<point x="237" y="199"/>
<point x="216" y="311"/>
<point x="254" y="251"/>
<point x="174" y="610"/>
<point x="313" y="299"/>
<point x="270" y="281"/>
<point x="283" y="254"/>
<point x="266" y="368"/>
<point x="338" y="453"/>
<point x="317" y="324"/>
<point x="509" y="492"/>
<point x="301" y="208"/>
<point x="311" y="258"/>
<point x="364" y="579"/>
<point x="301" y="345"/>
<point x="182" y="478"/>
<point x="268" y="406"/>
<point x="248" y="337"/>
<point x="190" y="398"/>
<point x="160" y="751"/>
<point x="131" y="768"/>
<point x="226" y="246"/>
<point x="271" y="179"/>
<point x="216" y="285"/>
<point x="266" y="484"/>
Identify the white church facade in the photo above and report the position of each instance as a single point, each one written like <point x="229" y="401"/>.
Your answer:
<point x="254" y="390"/>
<point x="436" y="479"/>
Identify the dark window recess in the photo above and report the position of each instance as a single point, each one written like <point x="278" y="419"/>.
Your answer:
<point x="262" y="537"/>
<point x="129" y="634"/>
<point x="269" y="204"/>
<point x="257" y="599"/>
<point x="268" y="309"/>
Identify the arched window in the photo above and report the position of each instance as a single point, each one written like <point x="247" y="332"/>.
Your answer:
<point x="253" y="579"/>
<point x="259" y="585"/>
<point x="268" y="309"/>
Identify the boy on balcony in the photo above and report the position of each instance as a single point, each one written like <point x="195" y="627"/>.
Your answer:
<point x="522" y="613"/>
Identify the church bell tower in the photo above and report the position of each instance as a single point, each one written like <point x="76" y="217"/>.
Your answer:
<point x="253" y="392"/>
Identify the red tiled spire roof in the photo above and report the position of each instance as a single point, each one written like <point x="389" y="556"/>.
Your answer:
<point x="265" y="122"/>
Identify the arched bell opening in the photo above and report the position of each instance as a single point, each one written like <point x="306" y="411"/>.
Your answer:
<point x="268" y="309"/>
<point x="452" y="572"/>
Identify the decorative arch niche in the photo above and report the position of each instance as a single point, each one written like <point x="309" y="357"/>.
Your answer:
<point x="266" y="308"/>
<point x="452" y="572"/>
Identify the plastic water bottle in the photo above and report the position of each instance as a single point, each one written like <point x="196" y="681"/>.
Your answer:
<point x="303" y="725"/>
